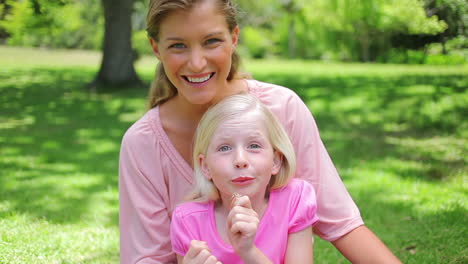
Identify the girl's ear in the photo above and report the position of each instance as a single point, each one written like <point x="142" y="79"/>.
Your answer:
<point x="277" y="162"/>
<point x="155" y="48"/>
<point x="204" y="167"/>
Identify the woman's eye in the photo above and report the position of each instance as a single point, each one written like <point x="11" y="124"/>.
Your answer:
<point x="212" y="41"/>
<point x="177" y="46"/>
<point x="224" y="148"/>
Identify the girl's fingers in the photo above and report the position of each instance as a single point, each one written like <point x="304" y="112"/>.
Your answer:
<point x="211" y="260"/>
<point x="196" y="247"/>
<point x="244" y="228"/>
<point x="238" y="210"/>
<point x="240" y="217"/>
<point x="199" y="253"/>
<point x="241" y="214"/>
<point x="242" y="201"/>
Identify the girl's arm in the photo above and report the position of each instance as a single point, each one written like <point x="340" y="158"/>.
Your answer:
<point x="362" y="246"/>
<point x="300" y="247"/>
<point x="242" y="223"/>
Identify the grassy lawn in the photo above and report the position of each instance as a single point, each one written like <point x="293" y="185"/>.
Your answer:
<point x="397" y="134"/>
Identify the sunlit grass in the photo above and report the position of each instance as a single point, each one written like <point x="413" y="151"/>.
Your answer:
<point x="397" y="134"/>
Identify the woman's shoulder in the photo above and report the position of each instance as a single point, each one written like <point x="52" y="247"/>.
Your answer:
<point x="144" y="128"/>
<point x="273" y="94"/>
<point x="260" y="88"/>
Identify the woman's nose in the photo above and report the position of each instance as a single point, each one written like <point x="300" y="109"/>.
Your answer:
<point x="240" y="161"/>
<point x="197" y="61"/>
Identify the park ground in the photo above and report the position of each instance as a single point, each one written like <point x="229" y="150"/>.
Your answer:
<point x="398" y="135"/>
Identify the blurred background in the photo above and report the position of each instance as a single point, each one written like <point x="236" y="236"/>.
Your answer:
<point x="385" y="31"/>
<point x="386" y="81"/>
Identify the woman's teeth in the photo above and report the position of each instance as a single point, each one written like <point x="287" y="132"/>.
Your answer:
<point x="199" y="80"/>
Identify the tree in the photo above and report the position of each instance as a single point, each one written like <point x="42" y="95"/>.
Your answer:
<point x="117" y="67"/>
<point x="455" y="14"/>
<point x="367" y="26"/>
<point x="291" y="8"/>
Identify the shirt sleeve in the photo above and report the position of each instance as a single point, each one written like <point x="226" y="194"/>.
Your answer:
<point x="180" y="233"/>
<point x="303" y="207"/>
<point x="144" y="218"/>
<point x="336" y="210"/>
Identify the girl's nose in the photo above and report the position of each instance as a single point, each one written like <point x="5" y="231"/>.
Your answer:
<point x="240" y="161"/>
<point x="197" y="61"/>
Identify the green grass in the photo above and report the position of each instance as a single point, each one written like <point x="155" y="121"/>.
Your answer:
<point x="397" y="134"/>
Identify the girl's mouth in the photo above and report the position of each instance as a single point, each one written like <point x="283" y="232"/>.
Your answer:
<point x="242" y="180"/>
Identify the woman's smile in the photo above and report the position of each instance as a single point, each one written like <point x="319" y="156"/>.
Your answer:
<point x="198" y="79"/>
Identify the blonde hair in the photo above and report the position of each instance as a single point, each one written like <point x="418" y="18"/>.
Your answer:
<point x="231" y="107"/>
<point x="161" y="88"/>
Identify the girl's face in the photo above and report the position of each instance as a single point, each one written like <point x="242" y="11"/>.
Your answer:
<point x="240" y="158"/>
<point x="195" y="47"/>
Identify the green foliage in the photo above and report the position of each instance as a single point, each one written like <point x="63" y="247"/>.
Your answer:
<point x="345" y="30"/>
<point x="57" y="24"/>
<point x="342" y="29"/>
<point x="441" y="59"/>
<point x="409" y="16"/>
<point x="257" y="41"/>
<point x="140" y="43"/>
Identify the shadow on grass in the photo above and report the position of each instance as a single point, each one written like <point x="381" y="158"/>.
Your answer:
<point x="413" y="118"/>
<point x="60" y="144"/>
<point x="416" y="236"/>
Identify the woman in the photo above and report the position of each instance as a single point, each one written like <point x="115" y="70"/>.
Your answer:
<point x="195" y="43"/>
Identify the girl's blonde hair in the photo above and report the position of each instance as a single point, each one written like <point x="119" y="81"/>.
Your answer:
<point x="233" y="107"/>
<point x="162" y="89"/>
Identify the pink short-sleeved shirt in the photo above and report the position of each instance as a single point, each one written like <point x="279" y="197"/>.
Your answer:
<point x="290" y="209"/>
<point x="153" y="178"/>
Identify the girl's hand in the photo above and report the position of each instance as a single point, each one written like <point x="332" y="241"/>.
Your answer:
<point x="242" y="223"/>
<point x="198" y="253"/>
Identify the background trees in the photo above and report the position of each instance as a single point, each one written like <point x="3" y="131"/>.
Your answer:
<point x="402" y="31"/>
<point x="118" y="56"/>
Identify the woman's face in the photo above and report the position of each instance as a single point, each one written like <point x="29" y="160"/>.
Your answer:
<point x="195" y="47"/>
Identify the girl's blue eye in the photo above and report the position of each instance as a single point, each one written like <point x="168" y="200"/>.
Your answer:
<point x="254" y="146"/>
<point x="224" y="148"/>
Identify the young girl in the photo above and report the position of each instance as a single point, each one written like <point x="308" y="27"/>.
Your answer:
<point x="195" y="42"/>
<point x="244" y="208"/>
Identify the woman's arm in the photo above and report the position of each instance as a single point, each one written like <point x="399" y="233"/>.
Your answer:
<point x="300" y="247"/>
<point x="340" y="220"/>
<point x="144" y="219"/>
<point x="362" y="246"/>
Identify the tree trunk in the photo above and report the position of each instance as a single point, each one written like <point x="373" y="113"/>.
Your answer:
<point x="291" y="37"/>
<point x="118" y="56"/>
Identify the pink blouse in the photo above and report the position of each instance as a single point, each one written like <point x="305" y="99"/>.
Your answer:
<point x="290" y="209"/>
<point x="153" y="178"/>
